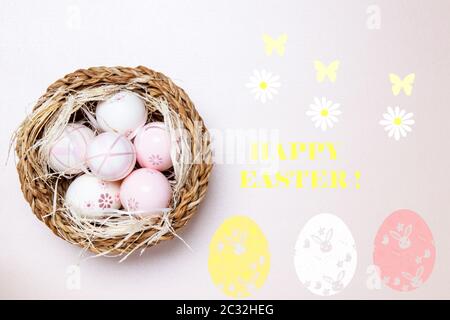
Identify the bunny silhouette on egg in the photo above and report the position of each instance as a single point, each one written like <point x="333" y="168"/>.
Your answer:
<point x="325" y="244"/>
<point x="337" y="284"/>
<point x="416" y="281"/>
<point x="403" y="240"/>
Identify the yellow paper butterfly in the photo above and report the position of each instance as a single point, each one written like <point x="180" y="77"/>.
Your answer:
<point x="398" y="84"/>
<point x="324" y="71"/>
<point x="278" y="44"/>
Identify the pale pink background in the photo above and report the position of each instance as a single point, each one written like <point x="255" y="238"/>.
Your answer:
<point x="210" y="48"/>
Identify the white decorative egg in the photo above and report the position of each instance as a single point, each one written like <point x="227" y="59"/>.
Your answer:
<point x="110" y="156"/>
<point x="68" y="153"/>
<point x="325" y="255"/>
<point x="89" y="196"/>
<point x="124" y="112"/>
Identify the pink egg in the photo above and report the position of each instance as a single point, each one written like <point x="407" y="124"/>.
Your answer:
<point x="404" y="251"/>
<point x="145" y="190"/>
<point x="153" y="145"/>
<point x="68" y="153"/>
<point x="110" y="156"/>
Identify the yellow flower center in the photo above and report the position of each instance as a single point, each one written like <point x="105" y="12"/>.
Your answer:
<point x="263" y="85"/>
<point x="324" y="112"/>
<point x="397" y="121"/>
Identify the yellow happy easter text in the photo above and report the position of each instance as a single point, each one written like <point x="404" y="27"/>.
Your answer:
<point x="293" y="151"/>
<point x="322" y="179"/>
<point x="302" y="178"/>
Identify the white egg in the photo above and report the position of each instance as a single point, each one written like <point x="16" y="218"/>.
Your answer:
<point x="89" y="196"/>
<point x="123" y="112"/>
<point x="325" y="255"/>
<point x="110" y="156"/>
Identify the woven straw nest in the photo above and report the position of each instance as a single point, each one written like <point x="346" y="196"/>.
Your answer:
<point x="73" y="98"/>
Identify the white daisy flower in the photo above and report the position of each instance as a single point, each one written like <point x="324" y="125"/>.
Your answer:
<point x="397" y="122"/>
<point x="324" y="113"/>
<point x="263" y="85"/>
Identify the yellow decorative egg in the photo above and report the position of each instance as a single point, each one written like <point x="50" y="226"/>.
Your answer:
<point x="239" y="258"/>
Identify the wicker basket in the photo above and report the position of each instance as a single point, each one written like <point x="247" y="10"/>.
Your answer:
<point x="39" y="190"/>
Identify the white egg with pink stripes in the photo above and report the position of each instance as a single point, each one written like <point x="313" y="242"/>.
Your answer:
<point x="67" y="154"/>
<point x="110" y="156"/>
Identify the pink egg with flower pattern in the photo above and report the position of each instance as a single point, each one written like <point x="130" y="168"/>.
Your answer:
<point x="145" y="191"/>
<point x="89" y="196"/>
<point x="153" y="146"/>
<point x="404" y="251"/>
<point x="68" y="152"/>
<point x="111" y="156"/>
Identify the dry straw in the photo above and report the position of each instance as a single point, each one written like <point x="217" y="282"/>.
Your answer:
<point x="73" y="98"/>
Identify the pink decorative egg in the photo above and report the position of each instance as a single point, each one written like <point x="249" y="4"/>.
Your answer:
<point x="404" y="251"/>
<point x="145" y="190"/>
<point x="153" y="145"/>
<point x="89" y="196"/>
<point x="110" y="156"/>
<point x="68" y="153"/>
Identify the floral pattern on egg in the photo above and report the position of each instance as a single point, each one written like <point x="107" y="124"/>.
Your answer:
<point x="132" y="204"/>
<point x="105" y="201"/>
<point x="155" y="159"/>
<point x="89" y="204"/>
